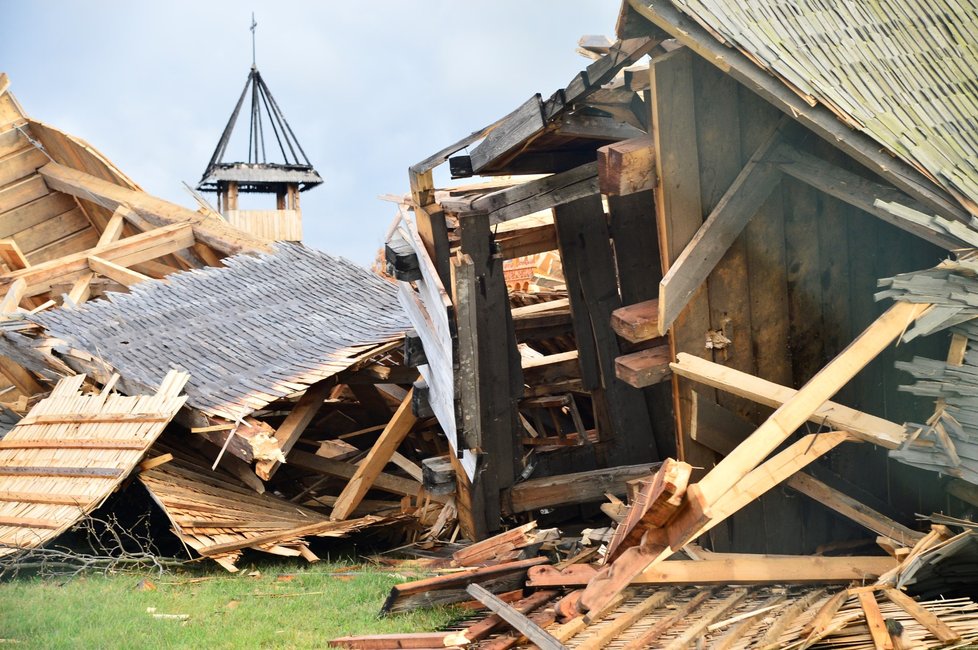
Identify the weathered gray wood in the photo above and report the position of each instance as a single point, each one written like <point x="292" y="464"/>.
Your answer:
<point x="744" y="198"/>
<point x="569" y="489"/>
<point x="519" y="621"/>
<point x="486" y="331"/>
<point x="509" y="133"/>
<point x="533" y="196"/>
<point x="596" y="128"/>
<point x="857" y="191"/>
<point x="592" y="284"/>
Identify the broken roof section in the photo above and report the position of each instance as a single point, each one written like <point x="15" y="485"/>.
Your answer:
<point x="70" y="453"/>
<point x="259" y="329"/>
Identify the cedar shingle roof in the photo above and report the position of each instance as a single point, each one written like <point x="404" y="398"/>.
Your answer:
<point x="905" y="72"/>
<point x="257" y="330"/>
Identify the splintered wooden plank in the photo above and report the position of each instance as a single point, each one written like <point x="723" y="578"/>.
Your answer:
<point x="141" y="247"/>
<point x="638" y="322"/>
<point x="644" y="368"/>
<point x="519" y="621"/>
<point x="289" y="432"/>
<point x="15" y="293"/>
<point x="627" y="167"/>
<point x="380" y="454"/>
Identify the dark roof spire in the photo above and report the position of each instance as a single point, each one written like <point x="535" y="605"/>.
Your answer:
<point x="257" y="172"/>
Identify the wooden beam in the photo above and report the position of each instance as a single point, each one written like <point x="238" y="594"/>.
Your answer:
<point x="532" y="196"/>
<point x="743" y="199"/>
<point x="514" y="617"/>
<point x="295" y="423"/>
<point x="207" y="228"/>
<point x="82" y="289"/>
<point x="113" y="228"/>
<point x="569" y="489"/>
<point x="679" y="214"/>
<point x="721" y="430"/>
<point x="863" y="426"/>
<point x="125" y="252"/>
<point x="380" y="454"/>
<point x="792" y="414"/>
<point x="858" y="192"/>
<point x="15" y="293"/>
<point x="738" y="569"/>
<point x="645" y="367"/>
<point x="510" y="132"/>
<point x="627" y="167"/>
<point x="637" y="323"/>
<point x="122" y="275"/>
<point x="875" y="620"/>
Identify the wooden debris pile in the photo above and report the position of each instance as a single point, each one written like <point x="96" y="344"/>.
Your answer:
<point x="293" y="362"/>
<point x="720" y="229"/>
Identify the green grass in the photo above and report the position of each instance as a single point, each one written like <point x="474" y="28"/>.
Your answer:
<point x="226" y="611"/>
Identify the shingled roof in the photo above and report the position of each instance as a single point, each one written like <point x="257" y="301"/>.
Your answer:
<point x="904" y="72"/>
<point x="261" y="328"/>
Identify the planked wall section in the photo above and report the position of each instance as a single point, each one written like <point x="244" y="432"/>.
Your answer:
<point x="44" y="224"/>
<point x="790" y="294"/>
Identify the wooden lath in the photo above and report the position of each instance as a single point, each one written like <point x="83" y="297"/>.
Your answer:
<point x="71" y="452"/>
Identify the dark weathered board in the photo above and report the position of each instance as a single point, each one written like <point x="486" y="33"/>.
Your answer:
<point x="486" y="328"/>
<point x="589" y="270"/>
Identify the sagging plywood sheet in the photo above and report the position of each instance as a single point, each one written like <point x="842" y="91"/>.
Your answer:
<point x="261" y="328"/>
<point x="70" y="453"/>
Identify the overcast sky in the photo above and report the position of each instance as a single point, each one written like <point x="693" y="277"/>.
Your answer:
<point x="368" y="88"/>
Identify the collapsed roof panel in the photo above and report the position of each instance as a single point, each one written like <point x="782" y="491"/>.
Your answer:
<point x="71" y="451"/>
<point x="219" y="519"/>
<point x="259" y="329"/>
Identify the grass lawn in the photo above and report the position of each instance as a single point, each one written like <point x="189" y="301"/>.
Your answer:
<point x="287" y="606"/>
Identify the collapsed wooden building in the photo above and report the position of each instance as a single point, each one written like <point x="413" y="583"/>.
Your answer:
<point x="725" y="212"/>
<point x="288" y="366"/>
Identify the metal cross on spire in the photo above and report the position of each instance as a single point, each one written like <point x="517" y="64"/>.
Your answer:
<point x="253" y="25"/>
